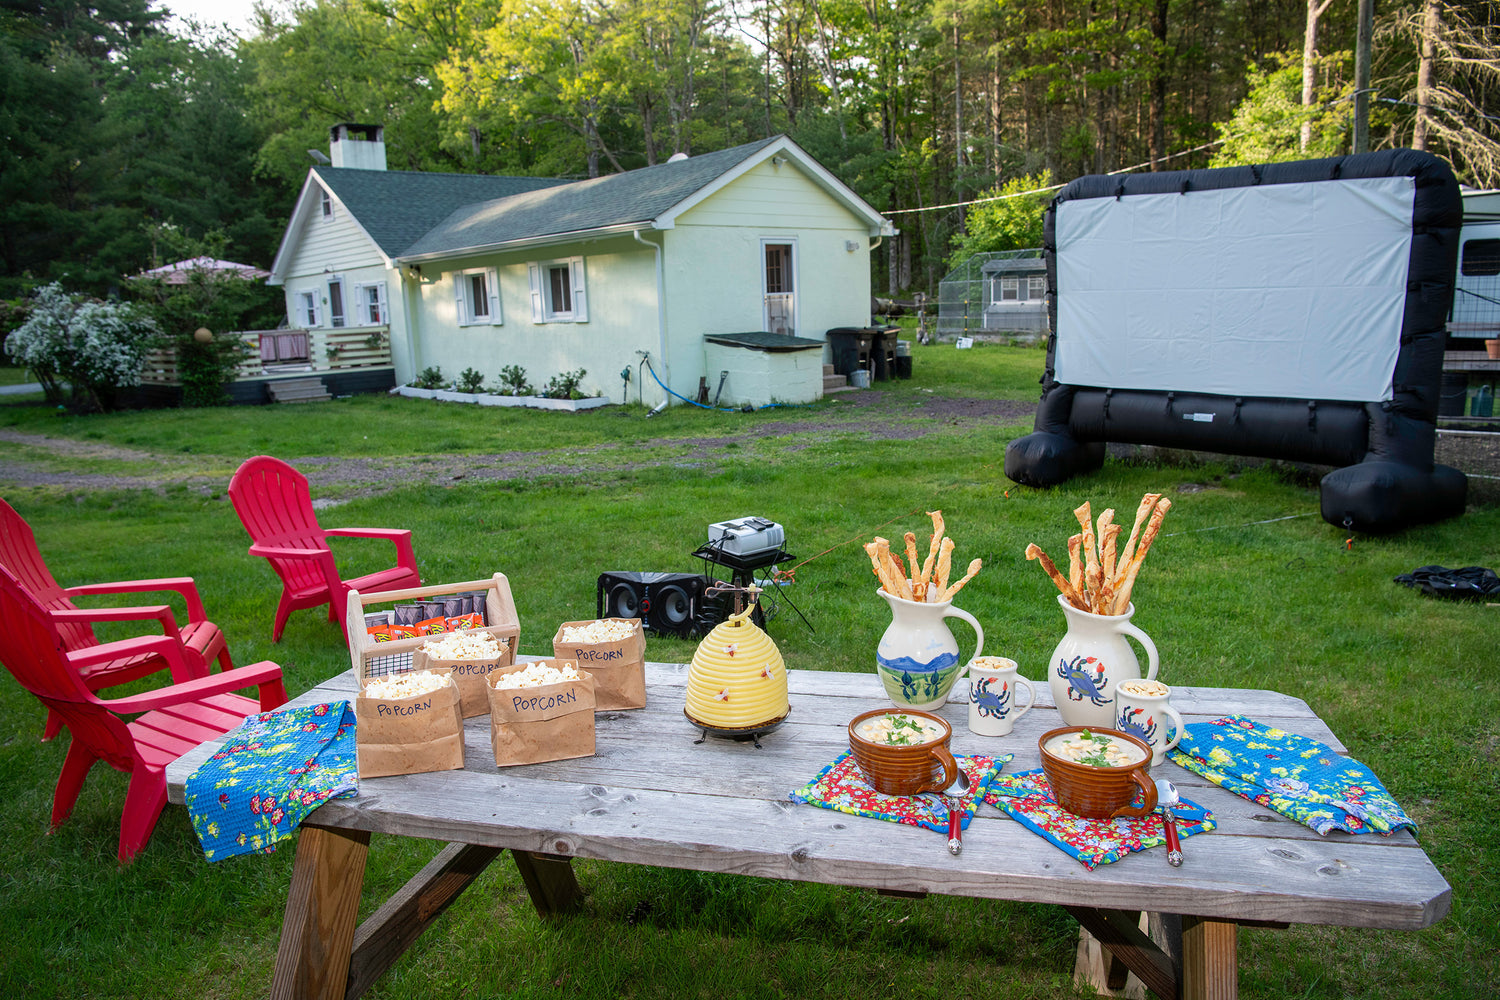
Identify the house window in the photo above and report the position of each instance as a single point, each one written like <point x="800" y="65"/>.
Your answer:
<point x="1014" y="288"/>
<point x="336" y="302"/>
<point x="478" y="293"/>
<point x="369" y="303"/>
<point x="1038" y="287"/>
<point x="307" y="309"/>
<point x="1010" y="289"/>
<point x="1481" y="258"/>
<point x="558" y="293"/>
<point x="327" y="204"/>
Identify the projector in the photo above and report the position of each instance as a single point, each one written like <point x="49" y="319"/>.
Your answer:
<point x="746" y="536"/>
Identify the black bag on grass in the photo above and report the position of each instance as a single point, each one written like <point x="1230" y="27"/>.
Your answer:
<point x="1468" y="584"/>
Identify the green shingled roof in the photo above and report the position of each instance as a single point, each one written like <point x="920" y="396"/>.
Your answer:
<point x="396" y="207"/>
<point x="602" y="202"/>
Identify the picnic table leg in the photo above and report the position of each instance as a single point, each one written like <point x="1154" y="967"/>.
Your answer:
<point x="549" y="880"/>
<point x="322" y="905"/>
<point x="1210" y="959"/>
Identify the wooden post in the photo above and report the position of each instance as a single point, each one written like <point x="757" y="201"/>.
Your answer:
<point x="322" y="904"/>
<point x="549" y="880"/>
<point x="1210" y="959"/>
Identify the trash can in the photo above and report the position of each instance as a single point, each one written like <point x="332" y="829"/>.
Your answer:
<point x="883" y="350"/>
<point x="850" y="346"/>
<point x="1453" y="397"/>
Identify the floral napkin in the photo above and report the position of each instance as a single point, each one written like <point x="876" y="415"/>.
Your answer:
<point x="268" y="775"/>
<point x="841" y="787"/>
<point x="1294" y="775"/>
<point x="1028" y="798"/>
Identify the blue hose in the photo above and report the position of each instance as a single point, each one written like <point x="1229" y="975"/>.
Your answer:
<point x="704" y="406"/>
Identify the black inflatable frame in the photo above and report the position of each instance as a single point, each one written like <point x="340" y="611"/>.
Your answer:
<point x="1388" y="479"/>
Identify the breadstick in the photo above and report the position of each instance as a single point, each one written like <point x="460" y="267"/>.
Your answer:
<point x="1075" y="565"/>
<point x="911" y="560"/>
<point x="1106" y="551"/>
<point x="1147" y="503"/>
<point x="1107" y="539"/>
<point x="1034" y="551"/>
<point x="974" y="567"/>
<point x="937" y="541"/>
<point x="1122" y="594"/>
<point x="872" y="549"/>
<point x="944" y="565"/>
<point x="1092" y="575"/>
<point x="901" y="587"/>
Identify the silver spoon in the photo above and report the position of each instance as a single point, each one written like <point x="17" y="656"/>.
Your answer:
<point x="1167" y="797"/>
<point x="960" y="788"/>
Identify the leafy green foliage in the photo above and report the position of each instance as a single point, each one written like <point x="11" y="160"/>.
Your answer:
<point x="1267" y="125"/>
<point x="470" y="380"/>
<point x="513" y="382"/>
<point x="564" y="385"/>
<point x="1010" y="220"/>
<point x="430" y="377"/>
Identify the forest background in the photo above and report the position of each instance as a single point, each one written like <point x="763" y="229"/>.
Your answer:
<point x="126" y="142"/>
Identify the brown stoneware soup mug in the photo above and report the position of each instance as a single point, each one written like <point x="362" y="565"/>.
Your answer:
<point x="1096" y="792"/>
<point x="904" y="770"/>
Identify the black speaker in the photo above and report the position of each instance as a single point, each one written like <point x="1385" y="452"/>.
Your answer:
<point x="667" y="603"/>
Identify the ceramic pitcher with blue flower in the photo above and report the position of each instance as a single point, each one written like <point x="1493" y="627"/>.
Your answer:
<point x="1090" y="660"/>
<point x="917" y="657"/>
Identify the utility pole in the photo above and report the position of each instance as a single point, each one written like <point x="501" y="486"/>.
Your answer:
<point x="1362" y="76"/>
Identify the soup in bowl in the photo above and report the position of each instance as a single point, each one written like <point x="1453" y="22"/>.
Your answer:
<point x="903" y="751"/>
<point x="1096" y="773"/>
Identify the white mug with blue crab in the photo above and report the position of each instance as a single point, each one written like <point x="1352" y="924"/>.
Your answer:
<point x="993" y="684"/>
<point x="1142" y="709"/>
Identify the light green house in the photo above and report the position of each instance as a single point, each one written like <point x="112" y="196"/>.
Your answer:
<point x="649" y="272"/>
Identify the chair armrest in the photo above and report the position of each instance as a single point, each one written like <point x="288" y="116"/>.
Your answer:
<point x="280" y="552"/>
<point x="168" y="648"/>
<point x="400" y="537"/>
<point x="183" y="585"/>
<point x="264" y="675"/>
<point x="160" y="612"/>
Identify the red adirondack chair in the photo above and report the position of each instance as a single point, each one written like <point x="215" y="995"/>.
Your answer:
<point x="275" y="506"/>
<point x="176" y="718"/>
<point x="200" y="641"/>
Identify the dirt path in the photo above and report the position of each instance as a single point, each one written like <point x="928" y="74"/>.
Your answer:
<point x="870" y="414"/>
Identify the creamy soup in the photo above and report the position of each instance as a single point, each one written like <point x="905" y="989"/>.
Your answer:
<point x="898" y="729"/>
<point x="1095" y="749"/>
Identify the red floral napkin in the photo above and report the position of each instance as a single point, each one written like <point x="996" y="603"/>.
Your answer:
<point x="841" y="787"/>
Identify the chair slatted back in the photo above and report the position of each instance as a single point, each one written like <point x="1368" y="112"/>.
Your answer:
<point x="19" y="555"/>
<point x="274" y="504"/>
<point x="34" y="652"/>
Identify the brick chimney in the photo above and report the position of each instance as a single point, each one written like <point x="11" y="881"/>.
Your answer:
<point x="359" y="146"/>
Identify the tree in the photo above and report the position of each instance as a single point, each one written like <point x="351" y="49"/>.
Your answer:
<point x="1008" y="217"/>
<point x="96" y="347"/>
<point x="1270" y="123"/>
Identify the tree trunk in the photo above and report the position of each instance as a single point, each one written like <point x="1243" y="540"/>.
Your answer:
<point x="1158" y="111"/>
<point x="1432" y="26"/>
<point x="1309" y="64"/>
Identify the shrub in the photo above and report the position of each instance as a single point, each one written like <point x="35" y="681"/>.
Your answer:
<point x="470" y="380"/>
<point x="513" y="382"/>
<point x="96" y="347"/>
<point x="428" y="378"/>
<point x="565" y="385"/>
<point x="204" y="368"/>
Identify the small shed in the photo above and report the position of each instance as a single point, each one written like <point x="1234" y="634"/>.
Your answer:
<point x="759" y="368"/>
<point x="1015" y="292"/>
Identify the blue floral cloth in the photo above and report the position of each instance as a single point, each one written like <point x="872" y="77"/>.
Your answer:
<point x="1296" y="776"/>
<point x="1027" y="797"/>
<point x="268" y="775"/>
<point x="840" y="786"/>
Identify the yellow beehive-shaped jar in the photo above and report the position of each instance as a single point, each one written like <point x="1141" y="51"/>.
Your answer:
<point x="737" y="680"/>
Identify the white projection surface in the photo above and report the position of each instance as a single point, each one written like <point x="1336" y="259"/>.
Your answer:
<point x="1282" y="290"/>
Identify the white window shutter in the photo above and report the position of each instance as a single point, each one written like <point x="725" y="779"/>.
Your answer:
<point x="580" y="294"/>
<point x="534" y="272"/>
<point x="459" y="293"/>
<point x="492" y="278"/>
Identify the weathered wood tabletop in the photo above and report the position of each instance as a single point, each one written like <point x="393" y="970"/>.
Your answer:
<point x="653" y="794"/>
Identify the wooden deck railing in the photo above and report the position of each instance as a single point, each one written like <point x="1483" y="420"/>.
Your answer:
<point x="327" y="350"/>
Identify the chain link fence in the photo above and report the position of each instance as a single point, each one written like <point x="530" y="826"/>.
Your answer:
<point x="970" y="300"/>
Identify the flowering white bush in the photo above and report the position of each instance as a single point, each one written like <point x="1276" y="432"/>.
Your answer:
<point x="97" y="347"/>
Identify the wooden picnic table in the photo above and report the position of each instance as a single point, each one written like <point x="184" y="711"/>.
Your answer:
<point x="653" y="794"/>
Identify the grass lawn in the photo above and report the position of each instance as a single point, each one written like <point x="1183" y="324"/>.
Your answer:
<point x="1247" y="587"/>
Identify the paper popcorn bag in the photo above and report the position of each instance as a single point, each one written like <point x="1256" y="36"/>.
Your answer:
<point x="546" y="717"/>
<point x="614" y="651"/>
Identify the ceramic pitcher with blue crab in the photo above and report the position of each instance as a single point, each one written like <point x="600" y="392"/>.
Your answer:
<point x="917" y="657"/>
<point x="1092" y="658"/>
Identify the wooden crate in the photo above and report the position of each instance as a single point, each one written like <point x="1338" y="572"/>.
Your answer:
<point x="375" y="659"/>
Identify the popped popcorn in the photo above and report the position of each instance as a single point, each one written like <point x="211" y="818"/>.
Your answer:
<point x="466" y="646"/>
<point x="407" y="685"/>
<point x="535" y="675"/>
<point x="606" y="630"/>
